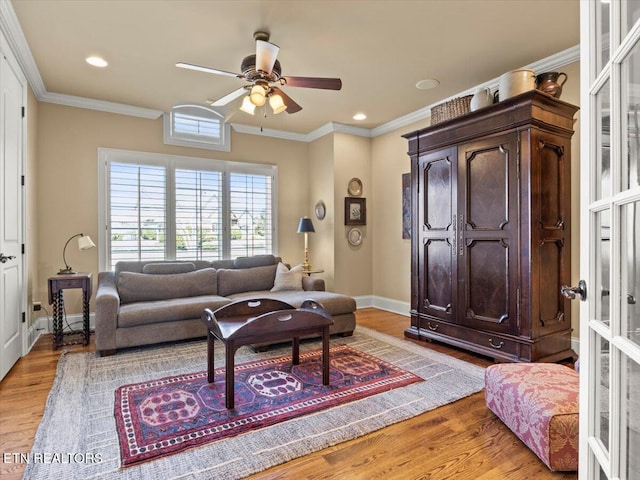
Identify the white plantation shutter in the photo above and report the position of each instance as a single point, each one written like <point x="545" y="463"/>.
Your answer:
<point x="137" y="212"/>
<point x="251" y="216"/>
<point x="163" y="207"/>
<point x="199" y="232"/>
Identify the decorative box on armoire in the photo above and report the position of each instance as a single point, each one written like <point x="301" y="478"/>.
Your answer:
<point x="491" y="223"/>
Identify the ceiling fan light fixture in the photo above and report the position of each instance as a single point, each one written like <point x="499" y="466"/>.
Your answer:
<point x="277" y="104"/>
<point x="247" y="106"/>
<point x="266" y="54"/>
<point x="258" y="95"/>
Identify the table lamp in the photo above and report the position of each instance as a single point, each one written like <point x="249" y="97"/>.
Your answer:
<point x="84" y="243"/>
<point x="306" y="226"/>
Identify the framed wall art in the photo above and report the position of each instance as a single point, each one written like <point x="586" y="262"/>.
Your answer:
<point x="355" y="211"/>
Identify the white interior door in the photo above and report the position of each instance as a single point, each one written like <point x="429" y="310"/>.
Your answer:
<point x="11" y="202"/>
<point x="610" y="233"/>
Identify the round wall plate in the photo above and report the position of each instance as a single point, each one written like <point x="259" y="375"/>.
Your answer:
<point x="354" y="237"/>
<point x="355" y="187"/>
<point x="321" y="210"/>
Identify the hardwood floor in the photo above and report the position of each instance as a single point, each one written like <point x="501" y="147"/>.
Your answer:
<point x="459" y="441"/>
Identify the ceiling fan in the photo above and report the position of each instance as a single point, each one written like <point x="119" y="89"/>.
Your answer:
<point x="264" y="74"/>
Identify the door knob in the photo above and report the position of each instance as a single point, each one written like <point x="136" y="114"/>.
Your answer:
<point x="4" y="259"/>
<point x="572" y="292"/>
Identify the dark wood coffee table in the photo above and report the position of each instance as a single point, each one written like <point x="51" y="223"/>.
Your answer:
<point x="263" y="320"/>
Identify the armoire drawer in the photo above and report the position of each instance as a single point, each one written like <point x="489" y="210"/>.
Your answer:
<point x="485" y="343"/>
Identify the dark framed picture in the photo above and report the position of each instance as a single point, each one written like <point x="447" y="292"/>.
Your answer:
<point x="355" y="211"/>
<point x="406" y="205"/>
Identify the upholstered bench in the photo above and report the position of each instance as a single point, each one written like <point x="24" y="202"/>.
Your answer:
<point x="539" y="403"/>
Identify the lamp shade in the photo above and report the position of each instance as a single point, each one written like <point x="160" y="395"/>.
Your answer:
<point x="305" y="225"/>
<point x="247" y="106"/>
<point x="258" y="95"/>
<point x="277" y="104"/>
<point x="85" y="243"/>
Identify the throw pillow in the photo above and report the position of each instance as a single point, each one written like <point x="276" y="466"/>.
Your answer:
<point x="288" y="279"/>
<point x="240" y="280"/>
<point x="167" y="268"/>
<point x="143" y="287"/>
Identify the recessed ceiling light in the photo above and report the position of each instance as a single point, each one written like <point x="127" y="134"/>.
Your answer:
<point x="359" y="116"/>
<point x="427" y="84"/>
<point x="97" y="61"/>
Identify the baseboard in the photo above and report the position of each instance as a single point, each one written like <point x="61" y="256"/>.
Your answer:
<point x="382" y="303"/>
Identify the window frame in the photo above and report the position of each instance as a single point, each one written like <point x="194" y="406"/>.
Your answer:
<point x="172" y="136"/>
<point x="172" y="162"/>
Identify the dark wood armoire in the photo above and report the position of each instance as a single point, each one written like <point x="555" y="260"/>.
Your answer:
<point x="491" y="230"/>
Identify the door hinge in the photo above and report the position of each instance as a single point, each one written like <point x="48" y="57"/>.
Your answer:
<point x="23" y="111"/>
<point x="23" y="249"/>
<point x="22" y="180"/>
<point x="24" y="317"/>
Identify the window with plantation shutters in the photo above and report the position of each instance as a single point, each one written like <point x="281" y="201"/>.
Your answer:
<point x="163" y="207"/>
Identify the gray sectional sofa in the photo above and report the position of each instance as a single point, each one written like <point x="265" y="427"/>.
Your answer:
<point x="142" y="303"/>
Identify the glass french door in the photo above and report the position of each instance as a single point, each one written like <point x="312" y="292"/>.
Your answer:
<point x="610" y="229"/>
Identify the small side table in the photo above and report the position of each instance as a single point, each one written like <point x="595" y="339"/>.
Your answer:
<point x="57" y="284"/>
<point x="312" y="271"/>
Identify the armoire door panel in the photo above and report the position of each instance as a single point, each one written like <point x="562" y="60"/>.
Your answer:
<point x="438" y="209"/>
<point x="438" y="288"/>
<point x="552" y="193"/>
<point x="487" y="177"/>
<point x="489" y="285"/>
<point x="550" y="301"/>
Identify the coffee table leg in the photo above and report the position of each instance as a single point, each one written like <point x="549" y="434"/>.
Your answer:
<point x="210" y="367"/>
<point x="325" y="356"/>
<point x="296" y="351"/>
<point x="229" y="376"/>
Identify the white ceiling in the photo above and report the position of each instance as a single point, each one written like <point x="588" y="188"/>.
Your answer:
<point x="379" y="48"/>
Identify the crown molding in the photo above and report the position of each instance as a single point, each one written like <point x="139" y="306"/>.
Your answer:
<point x="14" y="35"/>
<point x="100" y="105"/>
<point x="269" y="132"/>
<point x="12" y="30"/>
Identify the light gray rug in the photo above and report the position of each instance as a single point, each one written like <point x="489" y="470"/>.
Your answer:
<point x="77" y="438"/>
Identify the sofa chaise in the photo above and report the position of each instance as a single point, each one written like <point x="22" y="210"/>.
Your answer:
<point x="148" y="302"/>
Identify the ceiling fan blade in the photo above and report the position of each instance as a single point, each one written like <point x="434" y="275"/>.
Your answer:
<point x="292" y="107"/>
<point x="230" y="97"/>
<point x="199" y="68"/>
<point x="266" y="54"/>
<point x="314" y="82"/>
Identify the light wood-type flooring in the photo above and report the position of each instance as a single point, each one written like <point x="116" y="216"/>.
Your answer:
<point x="459" y="441"/>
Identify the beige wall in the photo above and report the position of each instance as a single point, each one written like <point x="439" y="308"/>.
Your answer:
<point x="321" y="187"/>
<point x="353" y="264"/>
<point x="67" y="192"/>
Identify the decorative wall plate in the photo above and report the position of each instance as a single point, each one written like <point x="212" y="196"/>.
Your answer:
<point x="355" y="187"/>
<point x="321" y="210"/>
<point x="354" y="237"/>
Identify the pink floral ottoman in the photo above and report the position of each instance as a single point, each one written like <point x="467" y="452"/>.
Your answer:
<point x="539" y="403"/>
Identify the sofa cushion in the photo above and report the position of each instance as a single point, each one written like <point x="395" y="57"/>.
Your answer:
<point x="254" y="261"/>
<point x="334" y="303"/>
<point x="287" y="279"/>
<point x="232" y="281"/>
<point x="159" y="311"/>
<point x="168" y="268"/>
<point x="142" y="287"/>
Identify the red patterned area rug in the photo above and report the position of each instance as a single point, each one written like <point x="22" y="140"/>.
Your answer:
<point x="165" y="416"/>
